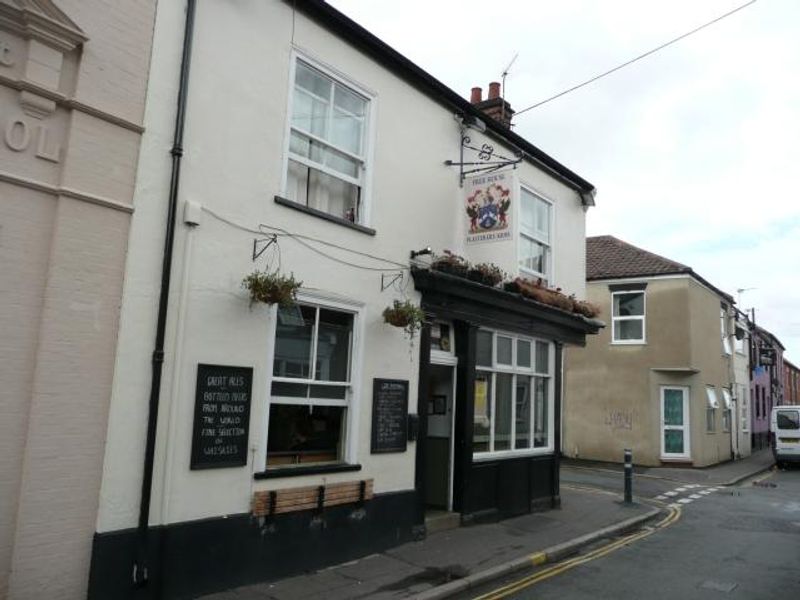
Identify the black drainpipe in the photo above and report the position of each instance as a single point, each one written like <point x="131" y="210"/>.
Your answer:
<point x="141" y="566"/>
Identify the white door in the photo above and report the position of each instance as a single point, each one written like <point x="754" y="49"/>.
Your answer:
<point x="675" y="441"/>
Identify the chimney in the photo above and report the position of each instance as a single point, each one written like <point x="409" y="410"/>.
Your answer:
<point x="477" y="95"/>
<point x="494" y="106"/>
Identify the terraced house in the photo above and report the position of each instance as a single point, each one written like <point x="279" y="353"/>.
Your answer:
<point x="669" y="377"/>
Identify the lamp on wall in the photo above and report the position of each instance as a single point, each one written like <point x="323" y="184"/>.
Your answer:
<point x="425" y="250"/>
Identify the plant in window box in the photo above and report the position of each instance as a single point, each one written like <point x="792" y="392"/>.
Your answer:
<point x="272" y="288"/>
<point x="486" y="273"/>
<point x="406" y="315"/>
<point x="540" y="293"/>
<point x="451" y="263"/>
<point x="586" y="308"/>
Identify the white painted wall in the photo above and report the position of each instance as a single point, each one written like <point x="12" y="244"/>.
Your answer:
<point x="233" y="167"/>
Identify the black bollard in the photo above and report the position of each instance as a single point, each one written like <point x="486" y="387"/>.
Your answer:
<point x="628" y="476"/>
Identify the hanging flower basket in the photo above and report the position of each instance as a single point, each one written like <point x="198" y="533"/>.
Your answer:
<point x="272" y="288"/>
<point x="405" y="315"/>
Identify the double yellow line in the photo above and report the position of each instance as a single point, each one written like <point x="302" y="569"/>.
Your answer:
<point x="540" y="557"/>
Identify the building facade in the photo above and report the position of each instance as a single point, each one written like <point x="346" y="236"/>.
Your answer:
<point x="72" y="89"/>
<point x="661" y="379"/>
<point x="791" y="383"/>
<point x="283" y="439"/>
<point x="766" y="382"/>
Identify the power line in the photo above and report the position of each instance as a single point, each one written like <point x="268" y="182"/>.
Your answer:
<point x="630" y="62"/>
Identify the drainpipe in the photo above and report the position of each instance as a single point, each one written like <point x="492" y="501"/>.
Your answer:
<point x="141" y="565"/>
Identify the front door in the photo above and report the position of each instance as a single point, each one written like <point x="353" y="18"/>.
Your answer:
<point x="675" y="423"/>
<point x="438" y="442"/>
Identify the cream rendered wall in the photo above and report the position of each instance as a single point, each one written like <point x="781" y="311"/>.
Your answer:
<point x="233" y="166"/>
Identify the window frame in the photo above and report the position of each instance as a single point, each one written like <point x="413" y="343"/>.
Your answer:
<point x="712" y="404"/>
<point x="685" y="427"/>
<point x="367" y="160"/>
<point x="727" y="350"/>
<point x="521" y="232"/>
<point x="514" y="370"/>
<point x="351" y="402"/>
<point x="643" y="318"/>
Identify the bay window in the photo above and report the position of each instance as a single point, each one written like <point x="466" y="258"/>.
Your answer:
<point x="327" y="155"/>
<point x="535" y="251"/>
<point x="310" y="390"/>
<point x="513" y="395"/>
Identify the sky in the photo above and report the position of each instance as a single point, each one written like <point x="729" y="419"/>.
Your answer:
<point x="694" y="150"/>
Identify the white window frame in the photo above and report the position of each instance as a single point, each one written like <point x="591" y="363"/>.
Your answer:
<point x="367" y="158"/>
<point x="514" y="370"/>
<point x="353" y="398"/>
<point x="522" y="232"/>
<point x="687" y="445"/>
<point x="744" y="407"/>
<point x="642" y="318"/>
<point x="712" y="404"/>
<point x="726" y="340"/>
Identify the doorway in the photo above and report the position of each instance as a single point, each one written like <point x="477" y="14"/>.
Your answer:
<point x="440" y="407"/>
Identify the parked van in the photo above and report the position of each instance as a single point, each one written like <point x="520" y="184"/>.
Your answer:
<point x="785" y="429"/>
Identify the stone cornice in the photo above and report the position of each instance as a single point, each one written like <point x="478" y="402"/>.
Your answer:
<point x="41" y="20"/>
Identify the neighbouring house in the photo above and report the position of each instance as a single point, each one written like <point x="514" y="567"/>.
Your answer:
<point x="248" y="441"/>
<point x="791" y="383"/>
<point x="766" y="382"/>
<point x="72" y="89"/>
<point x="665" y="377"/>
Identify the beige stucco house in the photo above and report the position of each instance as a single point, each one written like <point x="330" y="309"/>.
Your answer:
<point x="660" y="379"/>
<point x="73" y="75"/>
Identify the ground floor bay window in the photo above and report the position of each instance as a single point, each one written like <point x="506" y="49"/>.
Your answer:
<point x="310" y="390"/>
<point x="513" y="395"/>
<point x="675" y="423"/>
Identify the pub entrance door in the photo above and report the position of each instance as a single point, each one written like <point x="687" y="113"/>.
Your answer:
<point x="440" y="407"/>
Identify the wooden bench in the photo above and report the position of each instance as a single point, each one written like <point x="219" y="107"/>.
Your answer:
<point x="272" y="502"/>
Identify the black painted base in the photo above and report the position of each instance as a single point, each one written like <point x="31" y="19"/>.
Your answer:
<point x="199" y="557"/>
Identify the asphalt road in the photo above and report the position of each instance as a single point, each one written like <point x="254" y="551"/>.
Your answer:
<point x="740" y="542"/>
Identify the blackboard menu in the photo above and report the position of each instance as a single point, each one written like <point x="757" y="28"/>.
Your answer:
<point x="221" y="416"/>
<point x="389" y="415"/>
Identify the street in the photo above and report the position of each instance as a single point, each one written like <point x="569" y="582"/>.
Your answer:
<point x="734" y="542"/>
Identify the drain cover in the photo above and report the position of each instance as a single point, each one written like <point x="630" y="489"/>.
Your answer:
<point x="718" y="586"/>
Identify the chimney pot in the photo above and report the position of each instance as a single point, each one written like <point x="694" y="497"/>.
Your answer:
<point x="477" y="95"/>
<point x="494" y="90"/>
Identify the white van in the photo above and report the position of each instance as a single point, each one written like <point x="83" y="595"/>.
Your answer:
<point x="785" y="429"/>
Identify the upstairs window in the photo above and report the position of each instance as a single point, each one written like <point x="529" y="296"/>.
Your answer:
<point x="535" y="251"/>
<point x="723" y="323"/>
<point x="327" y="158"/>
<point x="627" y="319"/>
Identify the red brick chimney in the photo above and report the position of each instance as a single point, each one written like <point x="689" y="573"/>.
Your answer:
<point x="494" y="106"/>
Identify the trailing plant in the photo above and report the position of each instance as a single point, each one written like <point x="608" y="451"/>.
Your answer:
<point x="451" y="263"/>
<point x="272" y="288"/>
<point x="406" y="315"/>
<point x="490" y="274"/>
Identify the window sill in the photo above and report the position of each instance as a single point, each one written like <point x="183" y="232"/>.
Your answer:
<point x="323" y="215"/>
<point x="632" y="343"/>
<point x="306" y="470"/>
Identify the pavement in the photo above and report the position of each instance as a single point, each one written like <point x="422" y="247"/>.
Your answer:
<point x="450" y="562"/>
<point x="728" y="473"/>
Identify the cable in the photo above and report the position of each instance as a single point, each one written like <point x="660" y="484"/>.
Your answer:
<point x="641" y="56"/>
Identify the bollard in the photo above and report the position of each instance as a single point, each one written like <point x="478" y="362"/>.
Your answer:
<point x="628" y="476"/>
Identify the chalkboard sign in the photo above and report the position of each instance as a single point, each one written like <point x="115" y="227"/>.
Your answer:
<point x="389" y="415"/>
<point x="221" y="416"/>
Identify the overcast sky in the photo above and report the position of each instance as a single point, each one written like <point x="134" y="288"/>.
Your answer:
<point x="695" y="150"/>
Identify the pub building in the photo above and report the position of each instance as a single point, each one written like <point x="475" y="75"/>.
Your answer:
<point x="282" y="438"/>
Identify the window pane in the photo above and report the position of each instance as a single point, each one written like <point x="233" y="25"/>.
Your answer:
<point x="788" y="419"/>
<point x="542" y="357"/>
<point x="502" y="424"/>
<point x="711" y="419"/>
<point x="328" y="392"/>
<point x="673" y="407"/>
<point x="304" y="434"/>
<point x="535" y="216"/>
<point x="504" y="350"/>
<point x="673" y="441"/>
<point x="523" y="354"/>
<point x="629" y="329"/>
<point x="332" y="195"/>
<point x="629" y="305"/>
<point x="290" y="390"/>
<point x="533" y="255"/>
<point x="346" y="132"/>
<point x="523" y="416"/>
<point x="309" y="114"/>
<point x="312" y="80"/>
<point x="349" y="102"/>
<point x="540" y="416"/>
<point x="333" y="345"/>
<point x="341" y="163"/>
<point x="483" y="418"/>
<point x="484" y="351"/>
<point x="293" y="337"/>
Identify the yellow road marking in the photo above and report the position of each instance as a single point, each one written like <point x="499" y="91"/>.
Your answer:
<point x="521" y="584"/>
